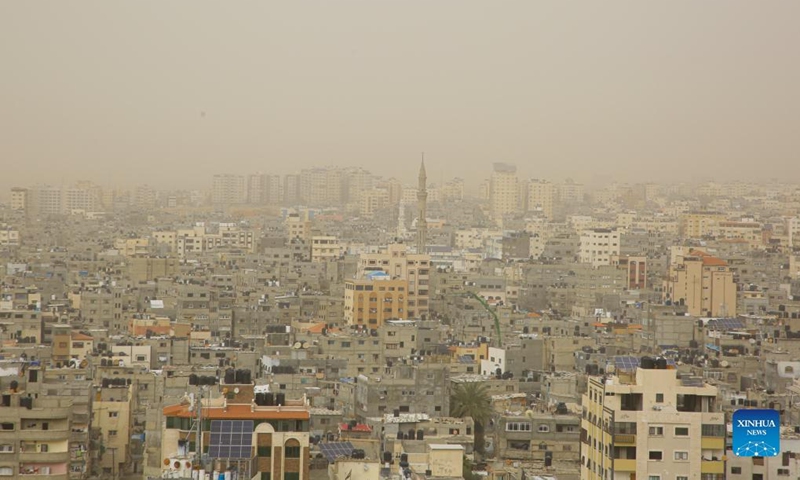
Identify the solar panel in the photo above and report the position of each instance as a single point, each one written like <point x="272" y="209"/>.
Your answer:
<point x="726" y="323"/>
<point x="632" y="363"/>
<point x="334" y="450"/>
<point x="231" y="439"/>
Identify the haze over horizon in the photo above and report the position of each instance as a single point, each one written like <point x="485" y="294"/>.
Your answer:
<point x="172" y="93"/>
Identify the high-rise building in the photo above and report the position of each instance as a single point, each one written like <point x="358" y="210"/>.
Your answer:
<point x="19" y="199"/>
<point x="371" y="301"/>
<point x="541" y="198"/>
<point x="291" y="189"/>
<point x="647" y="423"/>
<point x="228" y="189"/>
<point x="399" y="263"/>
<point x="422" y="210"/>
<point x="503" y="191"/>
<point x="702" y="282"/>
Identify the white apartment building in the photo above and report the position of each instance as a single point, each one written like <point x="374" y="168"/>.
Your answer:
<point x="598" y="246"/>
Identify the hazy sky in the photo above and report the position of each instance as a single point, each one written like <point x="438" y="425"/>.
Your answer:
<point x="171" y="92"/>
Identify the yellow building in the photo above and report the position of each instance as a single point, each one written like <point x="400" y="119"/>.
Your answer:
<point x="111" y="415"/>
<point x="132" y="246"/>
<point x="649" y="424"/>
<point x="503" y="191"/>
<point x="703" y="283"/>
<point x="375" y="299"/>
<point x="699" y="224"/>
<point x="399" y="264"/>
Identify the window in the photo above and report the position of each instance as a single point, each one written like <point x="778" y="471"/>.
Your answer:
<point x="518" y="427"/>
<point x="681" y="431"/>
<point x="113" y="414"/>
<point x="292" y="452"/>
<point x="656" y="431"/>
<point x="544" y="428"/>
<point x="713" y="430"/>
<point x="266" y="475"/>
<point x="291" y="476"/>
<point x="736" y="470"/>
<point x="265" y="451"/>
<point x="681" y="456"/>
<point x="112" y="433"/>
<point x="784" y="472"/>
<point x="6" y="471"/>
<point x="7" y="448"/>
<point x="654" y="477"/>
<point x="659" y="398"/>
<point x="655" y="455"/>
<point x="680" y="477"/>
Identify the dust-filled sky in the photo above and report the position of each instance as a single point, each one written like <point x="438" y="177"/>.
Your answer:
<point x="171" y="92"/>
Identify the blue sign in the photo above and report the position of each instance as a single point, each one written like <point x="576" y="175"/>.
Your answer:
<point x="756" y="433"/>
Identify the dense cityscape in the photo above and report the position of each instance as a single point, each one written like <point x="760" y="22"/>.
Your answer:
<point x="335" y="324"/>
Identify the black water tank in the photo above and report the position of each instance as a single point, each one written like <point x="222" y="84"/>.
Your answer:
<point x="399" y="435"/>
<point x="230" y="376"/>
<point x="14" y="385"/>
<point x="387" y="457"/>
<point x="396" y="412"/>
<point x="247" y="376"/>
<point x="647" y="363"/>
<point x="269" y="399"/>
<point x="412" y="435"/>
<point x="661" y="363"/>
<point x="404" y="457"/>
<point x="420" y="434"/>
<point x="280" y="399"/>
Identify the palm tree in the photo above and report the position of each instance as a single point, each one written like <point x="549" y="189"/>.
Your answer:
<point x="471" y="399"/>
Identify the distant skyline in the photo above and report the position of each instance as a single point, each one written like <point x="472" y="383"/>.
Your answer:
<point x="171" y="93"/>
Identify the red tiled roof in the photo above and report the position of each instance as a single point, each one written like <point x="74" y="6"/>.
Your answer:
<point x="360" y="427"/>
<point x="80" y="336"/>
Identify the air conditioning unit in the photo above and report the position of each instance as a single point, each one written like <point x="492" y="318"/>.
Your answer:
<point x="657" y="408"/>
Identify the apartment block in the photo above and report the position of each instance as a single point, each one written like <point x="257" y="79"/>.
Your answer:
<point x="598" y="246"/>
<point x="646" y="422"/>
<point x="702" y="282"/>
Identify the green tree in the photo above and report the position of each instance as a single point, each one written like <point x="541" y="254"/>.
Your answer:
<point x="471" y="399"/>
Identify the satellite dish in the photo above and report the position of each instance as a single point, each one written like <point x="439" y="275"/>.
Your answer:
<point x="297" y="345"/>
<point x="236" y="390"/>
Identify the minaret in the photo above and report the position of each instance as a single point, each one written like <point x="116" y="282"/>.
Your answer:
<point x="422" y="207"/>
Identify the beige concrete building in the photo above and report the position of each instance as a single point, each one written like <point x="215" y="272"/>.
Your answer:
<point x="397" y="261"/>
<point x="599" y="246"/>
<point x="698" y="224"/>
<point x="325" y="248"/>
<point x="111" y="415"/>
<point x="503" y="191"/>
<point x="541" y="198"/>
<point x="130" y="247"/>
<point x="227" y="189"/>
<point x="702" y="282"/>
<point x="375" y="299"/>
<point x="19" y="199"/>
<point x="651" y="424"/>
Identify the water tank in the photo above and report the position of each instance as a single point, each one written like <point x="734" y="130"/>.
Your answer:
<point x="280" y="399"/>
<point x="647" y="363"/>
<point x="661" y="363"/>
<point x="420" y="434"/>
<point x="230" y="376"/>
<point x="269" y="399"/>
<point x="387" y="457"/>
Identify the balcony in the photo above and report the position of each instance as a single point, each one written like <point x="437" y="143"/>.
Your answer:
<point x="712" y="466"/>
<point x="712" y="443"/>
<point x="625" y="439"/>
<point x="625" y="465"/>
<point x="43" y="457"/>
